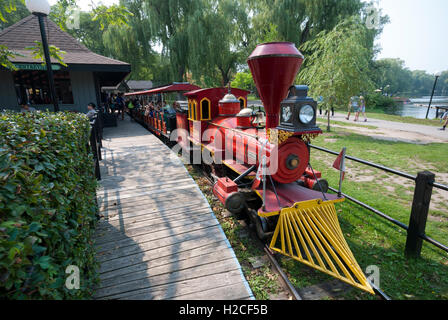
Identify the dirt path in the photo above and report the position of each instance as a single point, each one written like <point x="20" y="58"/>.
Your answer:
<point x="393" y="131"/>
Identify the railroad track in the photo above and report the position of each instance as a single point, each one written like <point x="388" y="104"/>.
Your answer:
<point x="275" y="264"/>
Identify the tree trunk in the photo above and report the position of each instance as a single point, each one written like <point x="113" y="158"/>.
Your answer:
<point x="305" y="33"/>
<point x="180" y="74"/>
<point x="225" y="76"/>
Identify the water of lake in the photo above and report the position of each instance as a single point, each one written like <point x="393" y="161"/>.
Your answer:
<point x="414" y="110"/>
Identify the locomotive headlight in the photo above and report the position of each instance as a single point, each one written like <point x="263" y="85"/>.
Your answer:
<point x="306" y="114"/>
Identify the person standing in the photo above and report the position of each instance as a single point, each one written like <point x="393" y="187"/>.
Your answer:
<point x="113" y="101"/>
<point x="445" y="119"/>
<point x="320" y="102"/>
<point x="91" y="113"/>
<point x="352" y="106"/>
<point x="362" y="108"/>
<point x="119" y="102"/>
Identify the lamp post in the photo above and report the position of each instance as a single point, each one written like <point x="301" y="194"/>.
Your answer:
<point x="41" y="9"/>
<point x="438" y="74"/>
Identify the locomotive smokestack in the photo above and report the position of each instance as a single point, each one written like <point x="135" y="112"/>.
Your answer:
<point x="274" y="67"/>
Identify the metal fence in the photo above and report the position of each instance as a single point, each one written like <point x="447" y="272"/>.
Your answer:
<point x="424" y="184"/>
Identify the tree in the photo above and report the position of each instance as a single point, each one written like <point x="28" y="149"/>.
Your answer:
<point x="11" y="12"/>
<point x="339" y="65"/>
<point x="421" y="83"/>
<point x="299" y="21"/>
<point x="169" y="21"/>
<point x="14" y="10"/>
<point x="244" y="80"/>
<point x="392" y="73"/>
<point x="215" y="44"/>
<point x="131" y="42"/>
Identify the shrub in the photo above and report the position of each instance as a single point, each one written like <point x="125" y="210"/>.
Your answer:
<point x="378" y="101"/>
<point x="47" y="205"/>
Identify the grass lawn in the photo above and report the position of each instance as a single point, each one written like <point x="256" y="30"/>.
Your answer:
<point x="373" y="240"/>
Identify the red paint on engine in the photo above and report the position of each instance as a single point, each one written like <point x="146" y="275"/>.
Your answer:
<point x="274" y="67"/>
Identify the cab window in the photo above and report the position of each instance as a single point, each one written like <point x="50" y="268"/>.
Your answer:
<point x="205" y="109"/>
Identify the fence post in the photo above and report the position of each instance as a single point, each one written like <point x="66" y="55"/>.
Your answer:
<point x="94" y="146"/>
<point x="419" y="213"/>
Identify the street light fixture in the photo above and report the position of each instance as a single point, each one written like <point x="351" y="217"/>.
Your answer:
<point x="41" y="9"/>
<point x="438" y="74"/>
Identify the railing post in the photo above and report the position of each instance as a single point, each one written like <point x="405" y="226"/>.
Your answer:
<point x="94" y="146"/>
<point x="419" y="213"/>
<point x="98" y="136"/>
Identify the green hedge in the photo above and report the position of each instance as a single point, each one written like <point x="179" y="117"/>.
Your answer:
<point x="47" y="205"/>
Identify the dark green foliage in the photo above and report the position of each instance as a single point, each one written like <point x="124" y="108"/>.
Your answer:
<point x="47" y="205"/>
<point x="376" y="100"/>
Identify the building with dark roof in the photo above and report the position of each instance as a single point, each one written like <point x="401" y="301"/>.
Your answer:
<point x="76" y="85"/>
<point x="129" y="86"/>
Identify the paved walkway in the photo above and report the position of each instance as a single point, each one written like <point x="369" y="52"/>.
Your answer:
<point x="427" y="131"/>
<point x="159" y="238"/>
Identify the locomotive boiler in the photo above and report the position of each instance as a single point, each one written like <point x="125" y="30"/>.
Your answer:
<point x="266" y="156"/>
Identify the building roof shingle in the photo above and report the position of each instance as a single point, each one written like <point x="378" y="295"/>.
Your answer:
<point x="25" y="32"/>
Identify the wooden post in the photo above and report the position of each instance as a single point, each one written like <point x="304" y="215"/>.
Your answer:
<point x="419" y="213"/>
<point x="94" y="146"/>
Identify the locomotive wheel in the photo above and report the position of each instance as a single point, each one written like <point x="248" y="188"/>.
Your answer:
<point x="235" y="203"/>
<point x="261" y="225"/>
<point x="323" y="183"/>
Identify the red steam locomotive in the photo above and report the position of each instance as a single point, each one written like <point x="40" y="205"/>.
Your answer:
<point x="260" y="162"/>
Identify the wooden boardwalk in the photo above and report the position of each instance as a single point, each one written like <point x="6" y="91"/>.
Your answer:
<point x="159" y="238"/>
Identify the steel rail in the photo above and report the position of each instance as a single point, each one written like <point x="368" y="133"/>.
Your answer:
<point x="379" y="292"/>
<point x="283" y="276"/>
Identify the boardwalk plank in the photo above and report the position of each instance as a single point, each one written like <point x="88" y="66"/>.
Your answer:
<point x="151" y="227"/>
<point x="171" y="269"/>
<point x="158" y="238"/>
<point x="139" y="248"/>
<point x="176" y="289"/>
<point x="158" y="257"/>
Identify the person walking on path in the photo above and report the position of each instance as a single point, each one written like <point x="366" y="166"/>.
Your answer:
<point x="361" y="109"/>
<point x="352" y="106"/>
<point x="445" y="123"/>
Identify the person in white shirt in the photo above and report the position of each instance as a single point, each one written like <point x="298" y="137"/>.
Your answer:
<point x="91" y="113"/>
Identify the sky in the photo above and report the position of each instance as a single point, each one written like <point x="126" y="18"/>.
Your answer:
<point x="417" y="32"/>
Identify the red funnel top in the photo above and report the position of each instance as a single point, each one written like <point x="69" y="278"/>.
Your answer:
<point x="274" y="67"/>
